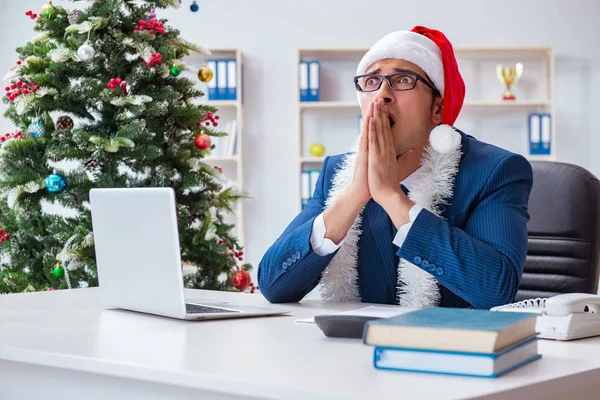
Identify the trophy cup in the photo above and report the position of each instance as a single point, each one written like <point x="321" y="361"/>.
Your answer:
<point x="509" y="76"/>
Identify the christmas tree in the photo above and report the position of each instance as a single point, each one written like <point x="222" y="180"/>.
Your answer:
<point x="97" y="101"/>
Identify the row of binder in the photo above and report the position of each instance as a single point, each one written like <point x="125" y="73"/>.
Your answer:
<point x="309" y="80"/>
<point x="308" y="184"/>
<point x="223" y="85"/>
<point x="539" y="133"/>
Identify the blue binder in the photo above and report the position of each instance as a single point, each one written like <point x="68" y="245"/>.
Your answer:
<point x="546" y="133"/>
<point x="313" y="80"/>
<point x="305" y="188"/>
<point x="212" y="85"/>
<point x="535" y="132"/>
<point x="303" y="81"/>
<point x="231" y="80"/>
<point x="221" y="79"/>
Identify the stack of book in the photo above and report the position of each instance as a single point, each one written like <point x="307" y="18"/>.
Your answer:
<point x="453" y="341"/>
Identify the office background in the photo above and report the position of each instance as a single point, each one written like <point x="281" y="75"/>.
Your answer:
<point x="269" y="32"/>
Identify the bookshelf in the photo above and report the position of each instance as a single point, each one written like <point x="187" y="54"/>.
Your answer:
<point x="228" y="111"/>
<point x="333" y="119"/>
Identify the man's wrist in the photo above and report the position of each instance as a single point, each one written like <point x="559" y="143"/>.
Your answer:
<point x="356" y="200"/>
<point x="397" y="206"/>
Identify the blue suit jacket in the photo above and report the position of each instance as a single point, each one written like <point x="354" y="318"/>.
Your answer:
<point x="478" y="250"/>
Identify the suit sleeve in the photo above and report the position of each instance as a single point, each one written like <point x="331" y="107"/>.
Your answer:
<point x="482" y="263"/>
<point x="290" y="269"/>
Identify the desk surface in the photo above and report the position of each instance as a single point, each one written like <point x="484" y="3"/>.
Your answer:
<point x="269" y="357"/>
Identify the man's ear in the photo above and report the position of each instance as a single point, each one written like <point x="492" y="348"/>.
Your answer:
<point x="437" y="110"/>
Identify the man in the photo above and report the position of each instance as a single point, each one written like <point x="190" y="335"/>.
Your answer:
<point x="419" y="214"/>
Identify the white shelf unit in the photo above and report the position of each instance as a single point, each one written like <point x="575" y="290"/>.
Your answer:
<point x="340" y="97"/>
<point x="535" y="92"/>
<point x="227" y="110"/>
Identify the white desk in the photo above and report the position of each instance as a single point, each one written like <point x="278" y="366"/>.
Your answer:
<point x="62" y="345"/>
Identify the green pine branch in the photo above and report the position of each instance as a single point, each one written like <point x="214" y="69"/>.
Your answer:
<point x="144" y="137"/>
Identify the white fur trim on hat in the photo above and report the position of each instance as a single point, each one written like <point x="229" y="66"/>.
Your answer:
<point x="444" y="139"/>
<point x="411" y="47"/>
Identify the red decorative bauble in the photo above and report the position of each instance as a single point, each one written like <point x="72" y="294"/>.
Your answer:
<point x="202" y="141"/>
<point x="240" y="280"/>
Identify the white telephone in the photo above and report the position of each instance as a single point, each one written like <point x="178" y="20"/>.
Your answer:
<point x="563" y="317"/>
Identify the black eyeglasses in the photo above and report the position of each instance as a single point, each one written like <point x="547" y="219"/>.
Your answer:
<point x="401" y="81"/>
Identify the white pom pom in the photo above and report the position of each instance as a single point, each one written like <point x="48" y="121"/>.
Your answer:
<point x="444" y="139"/>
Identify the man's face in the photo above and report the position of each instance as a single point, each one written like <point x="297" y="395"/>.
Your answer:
<point x="414" y="113"/>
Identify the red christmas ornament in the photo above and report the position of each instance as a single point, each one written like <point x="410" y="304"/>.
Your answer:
<point x="210" y="118"/>
<point x="151" y="26"/>
<point x="155" y="58"/>
<point x="117" y="82"/>
<point x="20" y="87"/>
<point x="4" y="236"/>
<point x="240" y="280"/>
<point x="8" y="136"/>
<point x="202" y="141"/>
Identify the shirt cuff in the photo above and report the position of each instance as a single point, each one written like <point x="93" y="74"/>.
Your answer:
<point x="413" y="213"/>
<point x="320" y="244"/>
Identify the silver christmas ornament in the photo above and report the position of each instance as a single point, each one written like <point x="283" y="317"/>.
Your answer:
<point x="86" y="52"/>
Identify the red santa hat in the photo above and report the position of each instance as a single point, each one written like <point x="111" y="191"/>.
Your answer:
<point x="434" y="54"/>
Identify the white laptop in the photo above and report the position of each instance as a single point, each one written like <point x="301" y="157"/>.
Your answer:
<point x="139" y="260"/>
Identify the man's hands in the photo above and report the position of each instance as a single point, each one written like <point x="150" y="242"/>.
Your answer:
<point x="378" y="170"/>
<point x="377" y="174"/>
<point x="383" y="176"/>
<point x="359" y="189"/>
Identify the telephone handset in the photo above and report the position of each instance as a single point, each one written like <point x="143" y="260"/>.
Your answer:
<point x="572" y="303"/>
<point x="562" y="317"/>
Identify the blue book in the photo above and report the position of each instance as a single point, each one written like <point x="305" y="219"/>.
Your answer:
<point x="451" y="329"/>
<point x="489" y="365"/>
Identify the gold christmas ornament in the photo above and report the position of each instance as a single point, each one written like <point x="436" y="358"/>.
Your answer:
<point x="205" y="74"/>
<point x="49" y="11"/>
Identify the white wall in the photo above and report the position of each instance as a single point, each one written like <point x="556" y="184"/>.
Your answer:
<point x="270" y="31"/>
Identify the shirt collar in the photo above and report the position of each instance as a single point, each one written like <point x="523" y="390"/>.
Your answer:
<point x="409" y="181"/>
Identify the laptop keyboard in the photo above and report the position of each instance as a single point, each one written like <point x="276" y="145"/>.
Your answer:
<point x="196" y="309"/>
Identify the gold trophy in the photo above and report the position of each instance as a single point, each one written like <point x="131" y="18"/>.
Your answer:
<point x="509" y="76"/>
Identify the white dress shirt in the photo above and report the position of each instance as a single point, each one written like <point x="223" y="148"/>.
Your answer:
<point x="323" y="246"/>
